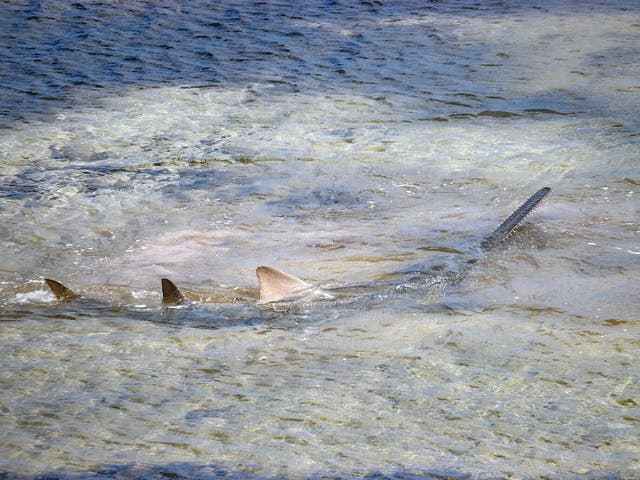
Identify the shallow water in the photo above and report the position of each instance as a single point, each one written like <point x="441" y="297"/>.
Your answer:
<point x="339" y="142"/>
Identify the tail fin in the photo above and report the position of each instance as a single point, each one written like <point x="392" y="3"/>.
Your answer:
<point x="171" y="295"/>
<point x="510" y="224"/>
<point x="59" y="290"/>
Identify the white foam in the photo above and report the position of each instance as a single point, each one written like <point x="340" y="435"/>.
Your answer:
<point x="35" y="296"/>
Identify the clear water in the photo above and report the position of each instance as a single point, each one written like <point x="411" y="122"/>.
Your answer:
<point x="339" y="141"/>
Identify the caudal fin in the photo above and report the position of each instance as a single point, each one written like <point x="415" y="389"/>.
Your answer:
<point x="171" y="295"/>
<point x="59" y="290"/>
<point x="276" y="285"/>
<point x="510" y="224"/>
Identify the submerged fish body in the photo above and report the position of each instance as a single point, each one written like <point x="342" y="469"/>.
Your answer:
<point x="175" y="309"/>
<point x="282" y="292"/>
<point x="276" y="286"/>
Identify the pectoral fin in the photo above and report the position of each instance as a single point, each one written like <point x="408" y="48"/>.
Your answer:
<point x="171" y="295"/>
<point x="276" y="285"/>
<point x="59" y="290"/>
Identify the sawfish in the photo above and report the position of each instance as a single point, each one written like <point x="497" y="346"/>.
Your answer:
<point x="281" y="291"/>
<point x="278" y="286"/>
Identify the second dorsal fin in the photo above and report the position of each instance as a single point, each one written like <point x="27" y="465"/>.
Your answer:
<point x="59" y="290"/>
<point x="276" y="285"/>
<point x="171" y="295"/>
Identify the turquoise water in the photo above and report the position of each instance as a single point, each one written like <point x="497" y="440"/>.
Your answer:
<point x="340" y="142"/>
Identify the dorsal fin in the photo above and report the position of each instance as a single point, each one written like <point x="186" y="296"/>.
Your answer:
<point x="171" y="295"/>
<point x="276" y="285"/>
<point x="59" y="290"/>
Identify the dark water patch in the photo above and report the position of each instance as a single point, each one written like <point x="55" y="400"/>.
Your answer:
<point x="546" y="111"/>
<point x="325" y="202"/>
<point x="206" y="316"/>
<point x="19" y="187"/>
<point x="42" y="184"/>
<point x="450" y="102"/>
<point x="62" y="56"/>
<point x="434" y="119"/>
<point x="201" y="415"/>
<point x="68" y="153"/>
<point x="503" y="114"/>
<point x="200" y="86"/>
<point x="461" y="116"/>
<point x="332" y="245"/>
<point x="615" y="322"/>
<point x="440" y="249"/>
<point x="73" y="311"/>
<point x="246" y="160"/>
<point x="197" y="471"/>
<point x="471" y="96"/>
<point x="215" y="316"/>
<point x="175" y="177"/>
<point x="497" y="114"/>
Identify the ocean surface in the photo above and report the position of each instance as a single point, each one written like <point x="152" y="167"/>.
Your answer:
<point x="340" y="141"/>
